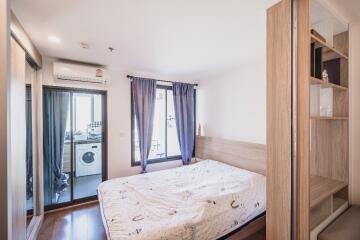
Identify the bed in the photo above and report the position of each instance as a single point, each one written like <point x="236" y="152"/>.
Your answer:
<point x="205" y="200"/>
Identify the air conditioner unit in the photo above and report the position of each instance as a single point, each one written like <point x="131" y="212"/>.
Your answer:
<point x="79" y="73"/>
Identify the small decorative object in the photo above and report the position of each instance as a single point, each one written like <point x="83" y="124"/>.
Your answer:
<point x="325" y="76"/>
<point x="199" y="130"/>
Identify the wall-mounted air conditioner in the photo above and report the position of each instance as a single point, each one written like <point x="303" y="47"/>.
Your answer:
<point x="79" y="73"/>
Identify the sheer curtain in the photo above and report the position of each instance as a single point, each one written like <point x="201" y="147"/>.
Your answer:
<point x="56" y="108"/>
<point x="184" y="103"/>
<point x="144" y="95"/>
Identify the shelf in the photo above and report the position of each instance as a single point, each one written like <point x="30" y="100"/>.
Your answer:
<point x="327" y="84"/>
<point x="328" y="118"/>
<point x="322" y="188"/>
<point x="321" y="43"/>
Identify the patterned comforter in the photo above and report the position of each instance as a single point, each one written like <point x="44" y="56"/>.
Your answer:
<point x="205" y="200"/>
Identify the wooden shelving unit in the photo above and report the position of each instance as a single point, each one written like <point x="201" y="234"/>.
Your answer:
<point x="329" y="171"/>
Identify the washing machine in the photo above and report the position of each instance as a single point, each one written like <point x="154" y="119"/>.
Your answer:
<point x="88" y="159"/>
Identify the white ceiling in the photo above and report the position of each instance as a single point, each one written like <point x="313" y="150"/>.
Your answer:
<point x="349" y="9"/>
<point x="320" y="13"/>
<point x="183" y="38"/>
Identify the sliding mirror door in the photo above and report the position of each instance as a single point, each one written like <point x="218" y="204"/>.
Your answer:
<point x="31" y="158"/>
<point x="74" y="147"/>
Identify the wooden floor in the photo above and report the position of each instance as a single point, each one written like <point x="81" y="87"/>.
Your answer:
<point x="80" y="223"/>
<point x="84" y="223"/>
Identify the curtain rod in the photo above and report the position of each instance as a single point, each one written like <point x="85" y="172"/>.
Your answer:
<point x="129" y="76"/>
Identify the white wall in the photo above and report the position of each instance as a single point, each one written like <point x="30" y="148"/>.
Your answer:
<point x="119" y="120"/>
<point x="354" y="112"/>
<point x="233" y="105"/>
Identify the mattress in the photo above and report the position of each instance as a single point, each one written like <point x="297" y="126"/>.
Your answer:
<point x="205" y="200"/>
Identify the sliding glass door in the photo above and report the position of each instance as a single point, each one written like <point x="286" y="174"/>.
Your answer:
<point x="87" y="143"/>
<point x="74" y="145"/>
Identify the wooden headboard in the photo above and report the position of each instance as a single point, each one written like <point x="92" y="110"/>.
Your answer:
<point x="249" y="156"/>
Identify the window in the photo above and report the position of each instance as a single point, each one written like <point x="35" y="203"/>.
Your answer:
<point x="165" y="144"/>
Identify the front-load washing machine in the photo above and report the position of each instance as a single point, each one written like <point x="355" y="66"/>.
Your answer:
<point x="88" y="159"/>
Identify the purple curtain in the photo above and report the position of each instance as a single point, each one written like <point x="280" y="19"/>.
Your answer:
<point x="184" y="104"/>
<point x="144" y="95"/>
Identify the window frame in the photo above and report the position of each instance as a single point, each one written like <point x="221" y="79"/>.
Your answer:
<point x="132" y="113"/>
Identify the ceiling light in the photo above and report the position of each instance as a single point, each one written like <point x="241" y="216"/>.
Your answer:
<point x="54" y="39"/>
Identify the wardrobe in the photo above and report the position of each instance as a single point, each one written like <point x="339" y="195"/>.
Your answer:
<point x="309" y="113"/>
<point x="23" y="180"/>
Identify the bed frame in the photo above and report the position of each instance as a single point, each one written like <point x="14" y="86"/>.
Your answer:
<point x="249" y="156"/>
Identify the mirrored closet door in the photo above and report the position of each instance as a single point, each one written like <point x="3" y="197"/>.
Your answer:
<point x="31" y="158"/>
<point x="25" y="95"/>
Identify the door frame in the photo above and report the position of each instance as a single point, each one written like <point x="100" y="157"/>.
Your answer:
<point x="104" y="153"/>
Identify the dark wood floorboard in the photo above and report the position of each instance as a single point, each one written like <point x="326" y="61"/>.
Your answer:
<point x="85" y="223"/>
<point x="80" y="223"/>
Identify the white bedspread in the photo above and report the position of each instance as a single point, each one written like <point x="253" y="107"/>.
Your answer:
<point x="205" y="200"/>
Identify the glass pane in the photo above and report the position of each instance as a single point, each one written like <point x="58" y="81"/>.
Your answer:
<point x="164" y="125"/>
<point x="87" y="134"/>
<point x="158" y="144"/>
<point x="57" y="156"/>
<point x="173" y="148"/>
